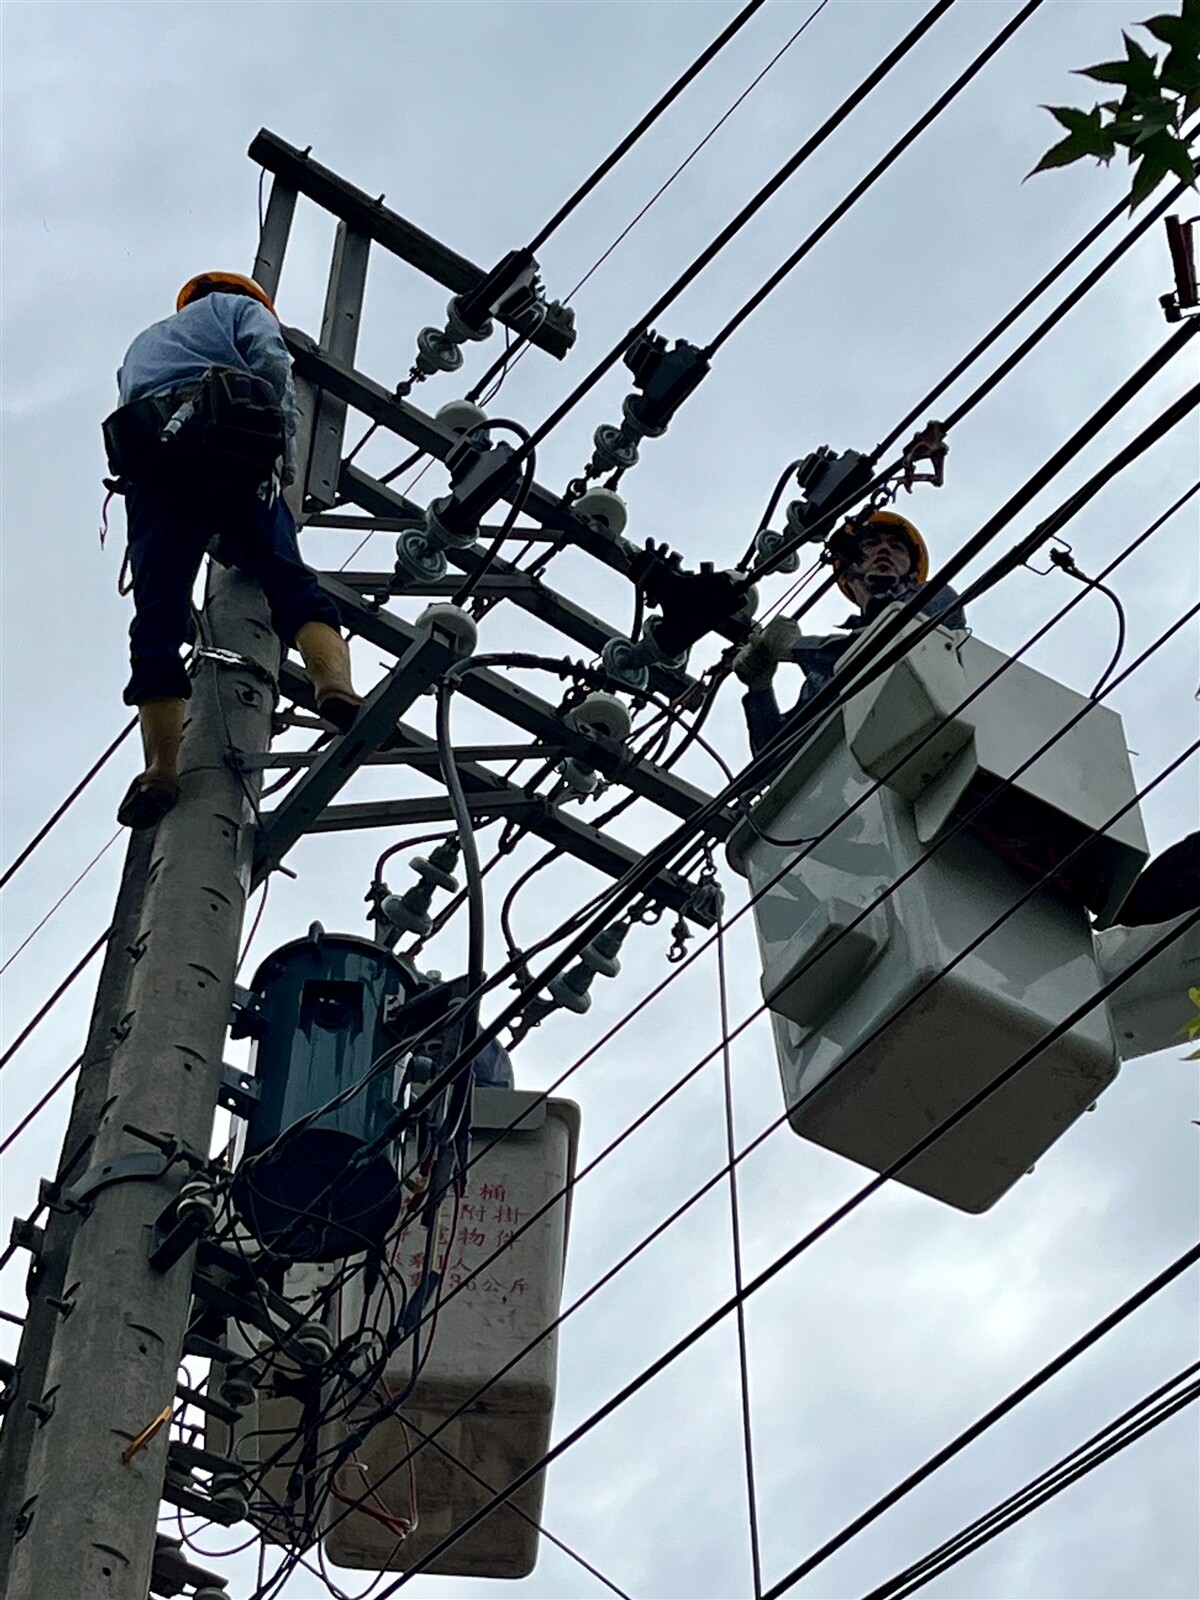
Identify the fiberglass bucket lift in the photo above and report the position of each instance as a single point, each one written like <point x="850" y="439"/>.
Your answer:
<point x="885" y="1019"/>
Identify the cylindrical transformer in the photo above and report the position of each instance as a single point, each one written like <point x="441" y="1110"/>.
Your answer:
<point x="329" y="1076"/>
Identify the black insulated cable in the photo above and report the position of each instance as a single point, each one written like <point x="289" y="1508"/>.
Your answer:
<point x="1155" y="1408"/>
<point x="1156" y="1285"/>
<point x="831" y="123"/>
<point x="55" y="816"/>
<point x="871" y="1188"/>
<point x="651" y="117"/>
<point x="1188" y="1259"/>
<point x="876" y="172"/>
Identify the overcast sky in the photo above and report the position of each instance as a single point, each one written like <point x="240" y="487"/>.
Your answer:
<point x="125" y="129"/>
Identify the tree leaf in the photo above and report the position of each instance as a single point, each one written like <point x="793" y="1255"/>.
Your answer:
<point x="1144" y="66"/>
<point x="1108" y="72"/>
<point x="1060" y="155"/>
<point x="1168" y="29"/>
<point x="1150" y="173"/>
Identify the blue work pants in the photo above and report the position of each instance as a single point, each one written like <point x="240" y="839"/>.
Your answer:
<point x="170" y="528"/>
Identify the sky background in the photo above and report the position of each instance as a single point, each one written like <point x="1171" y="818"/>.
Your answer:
<point x="124" y="172"/>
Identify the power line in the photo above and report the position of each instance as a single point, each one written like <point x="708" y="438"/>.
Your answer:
<point x="873" y="78"/>
<point x="1022" y="1392"/>
<point x="652" y="116"/>
<point x="71" y="887"/>
<point x="1132" y="1425"/>
<point x="504" y="363"/>
<point x="49" y="1005"/>
<point x="876" y="172"/>
<point x="770" y="1272"/>
<point x="68" y="802"/>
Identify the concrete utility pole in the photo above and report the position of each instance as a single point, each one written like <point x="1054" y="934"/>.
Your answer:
<point x="50" y="1246"/>
<point x="83" y="1519"/>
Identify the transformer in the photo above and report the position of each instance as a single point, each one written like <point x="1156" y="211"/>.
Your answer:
<point x="318" y="1174"/>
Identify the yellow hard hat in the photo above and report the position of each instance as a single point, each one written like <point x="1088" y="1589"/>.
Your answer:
<point x="888" y="519"/>
<point x="214" y="282"/>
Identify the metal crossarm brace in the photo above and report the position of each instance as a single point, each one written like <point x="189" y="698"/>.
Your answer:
<point x="386" y="227"/>
<point x="526" y="591"/>
<point x="421" y="663"/>
<point x="538" y="717"/>
<point x="488" y="795"/>
<point x="403" y="418"/>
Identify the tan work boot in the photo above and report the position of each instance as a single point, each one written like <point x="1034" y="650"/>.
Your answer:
<point x="327" y="659"/>
<point x="152" y="794"/>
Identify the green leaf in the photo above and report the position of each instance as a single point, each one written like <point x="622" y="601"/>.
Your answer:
<point x="1168" y="29"/>
<point x="1146" y="179"/>
<point x="1143" y="66"/>
<point x="1108" y="72"/>
<point x="1181" y="73"/>
<point x="1089" y="136"/>
<point x="1060" y="155"/>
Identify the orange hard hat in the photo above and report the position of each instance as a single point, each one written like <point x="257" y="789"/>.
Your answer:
<point x="214" y="282"/>
<point x="886" y="519"/>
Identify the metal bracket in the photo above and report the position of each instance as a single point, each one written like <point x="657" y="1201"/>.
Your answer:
<point x="239" y="1091"/>
<point x="26" y="1235"/>
<point x="137" y="1165"/>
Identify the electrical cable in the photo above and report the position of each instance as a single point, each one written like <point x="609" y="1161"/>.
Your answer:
<point x="59" y="1082"/>
<point x="738" y="1280"/>
<point x="515" y="353"/>
<point x="1022" y="305"/>
<point x="767" y="1274"/>
<point x="49" y="1005"/>
<point x="37" y="928"/>
<point x="911" y="1155"/>
<point x="752" y="206"/>
<point x="651" y="116"/>
<point x="1106" y="1324"/>
<point x="55" y="816"/>
<point x="876" y="172"/>
<point x="1115" y="1436"/>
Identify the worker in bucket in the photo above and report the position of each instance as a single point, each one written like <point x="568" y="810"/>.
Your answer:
<point x="202" y="445"/>
<point x="876" y="560"/>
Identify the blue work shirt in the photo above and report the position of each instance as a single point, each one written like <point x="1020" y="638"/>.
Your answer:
<point x="817" y="656"/>
<point x="220" y="330"/>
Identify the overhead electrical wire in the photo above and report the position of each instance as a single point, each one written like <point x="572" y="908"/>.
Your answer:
<point x="876" y="172"/>
<point x="504" y="364"/>
<point x="66" y="805"/>
<point x="1031" y="1385"/>
<point x="755" y="204"/>
<point x="951" y="964"/>
<point x="767" y="1274"/>
<point x="650" y="118"/>
<point x="1150" y="1412"/>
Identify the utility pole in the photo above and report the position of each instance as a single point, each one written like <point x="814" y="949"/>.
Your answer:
<point x="84" y="1448"/>
<point x="83" y="1520"/>
<point x="50" y="1246"/>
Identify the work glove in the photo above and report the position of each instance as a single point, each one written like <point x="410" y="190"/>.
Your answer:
<point x="756" y="661"/>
